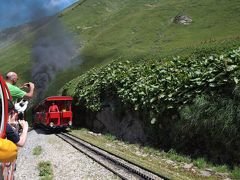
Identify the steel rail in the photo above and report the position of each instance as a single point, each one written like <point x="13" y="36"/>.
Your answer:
<point x="119" y="166"/>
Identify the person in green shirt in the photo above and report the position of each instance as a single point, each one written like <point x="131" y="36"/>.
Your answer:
<point x="16" y="92"/>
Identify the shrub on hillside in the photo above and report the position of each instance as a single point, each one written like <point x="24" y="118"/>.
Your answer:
<point x="172" y="95"/>
<point x="156" y="86"/>
<point x="210" y="126"/>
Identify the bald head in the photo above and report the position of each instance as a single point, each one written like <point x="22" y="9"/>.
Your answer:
<point x="12" y="77"/>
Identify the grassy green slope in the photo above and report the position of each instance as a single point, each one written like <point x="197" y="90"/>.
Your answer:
<point x="16" y="57"/>
<point x="109" y="29"/>
<point x="145" y="27"/>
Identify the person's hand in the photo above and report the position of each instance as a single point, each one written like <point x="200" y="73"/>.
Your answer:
<point x="25" y="85"/>
<point x="13" y="119"/>
<point x="31" y="85"/>
<point x="23" y="124"/>
<point x="28" y="85"/>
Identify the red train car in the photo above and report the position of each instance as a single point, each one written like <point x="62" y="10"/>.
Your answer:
<point x="4" y="96"/>
<point x="6" y="169"/>
<point x="54" y="112"/>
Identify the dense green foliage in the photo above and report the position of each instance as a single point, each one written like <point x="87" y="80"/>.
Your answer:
<point x="206" y="125"/>
<point x="156" y="86"/>
<point x="192" y="104"/>
<point x="108" y="29"/>
<point x="210" y="126"/>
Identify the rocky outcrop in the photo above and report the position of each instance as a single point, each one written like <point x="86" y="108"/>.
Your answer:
<point x="113" y="118"/>
<point x="127" y="127"/>
<point x="182" y="19"/>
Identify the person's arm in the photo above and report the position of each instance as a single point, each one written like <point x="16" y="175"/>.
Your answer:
<point x="23" y="136"/>
<point x="31" y="90"/>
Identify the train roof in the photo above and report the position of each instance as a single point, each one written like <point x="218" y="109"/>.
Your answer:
<point x="58" y="98"/>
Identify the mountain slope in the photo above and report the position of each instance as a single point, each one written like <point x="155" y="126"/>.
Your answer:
<point x="145" y="27"/>
<point x="108" y="29"/>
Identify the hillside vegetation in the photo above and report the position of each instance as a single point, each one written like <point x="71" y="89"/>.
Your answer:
<point x="177" y="96"/>
<point x="182" y="80"/>
<point x="106" y="30"/>
<point x="166" y="92"/>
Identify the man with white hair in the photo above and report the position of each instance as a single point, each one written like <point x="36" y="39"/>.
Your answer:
<point x="16" y="92"/>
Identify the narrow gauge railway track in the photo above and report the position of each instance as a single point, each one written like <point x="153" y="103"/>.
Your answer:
<point x="122" y="168"/>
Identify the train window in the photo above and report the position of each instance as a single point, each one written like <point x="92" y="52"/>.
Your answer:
<point x="66" y="106"/>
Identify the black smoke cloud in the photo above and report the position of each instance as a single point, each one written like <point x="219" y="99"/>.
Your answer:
<point x="53" y="47"/>
<point x="52" y="52"/>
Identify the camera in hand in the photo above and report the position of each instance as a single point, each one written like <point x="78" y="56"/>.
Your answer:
<point x="20" y="116"/>
<point x="22" y="103"/>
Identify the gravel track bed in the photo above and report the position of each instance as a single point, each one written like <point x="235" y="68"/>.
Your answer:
<point x="67" y="162"/>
